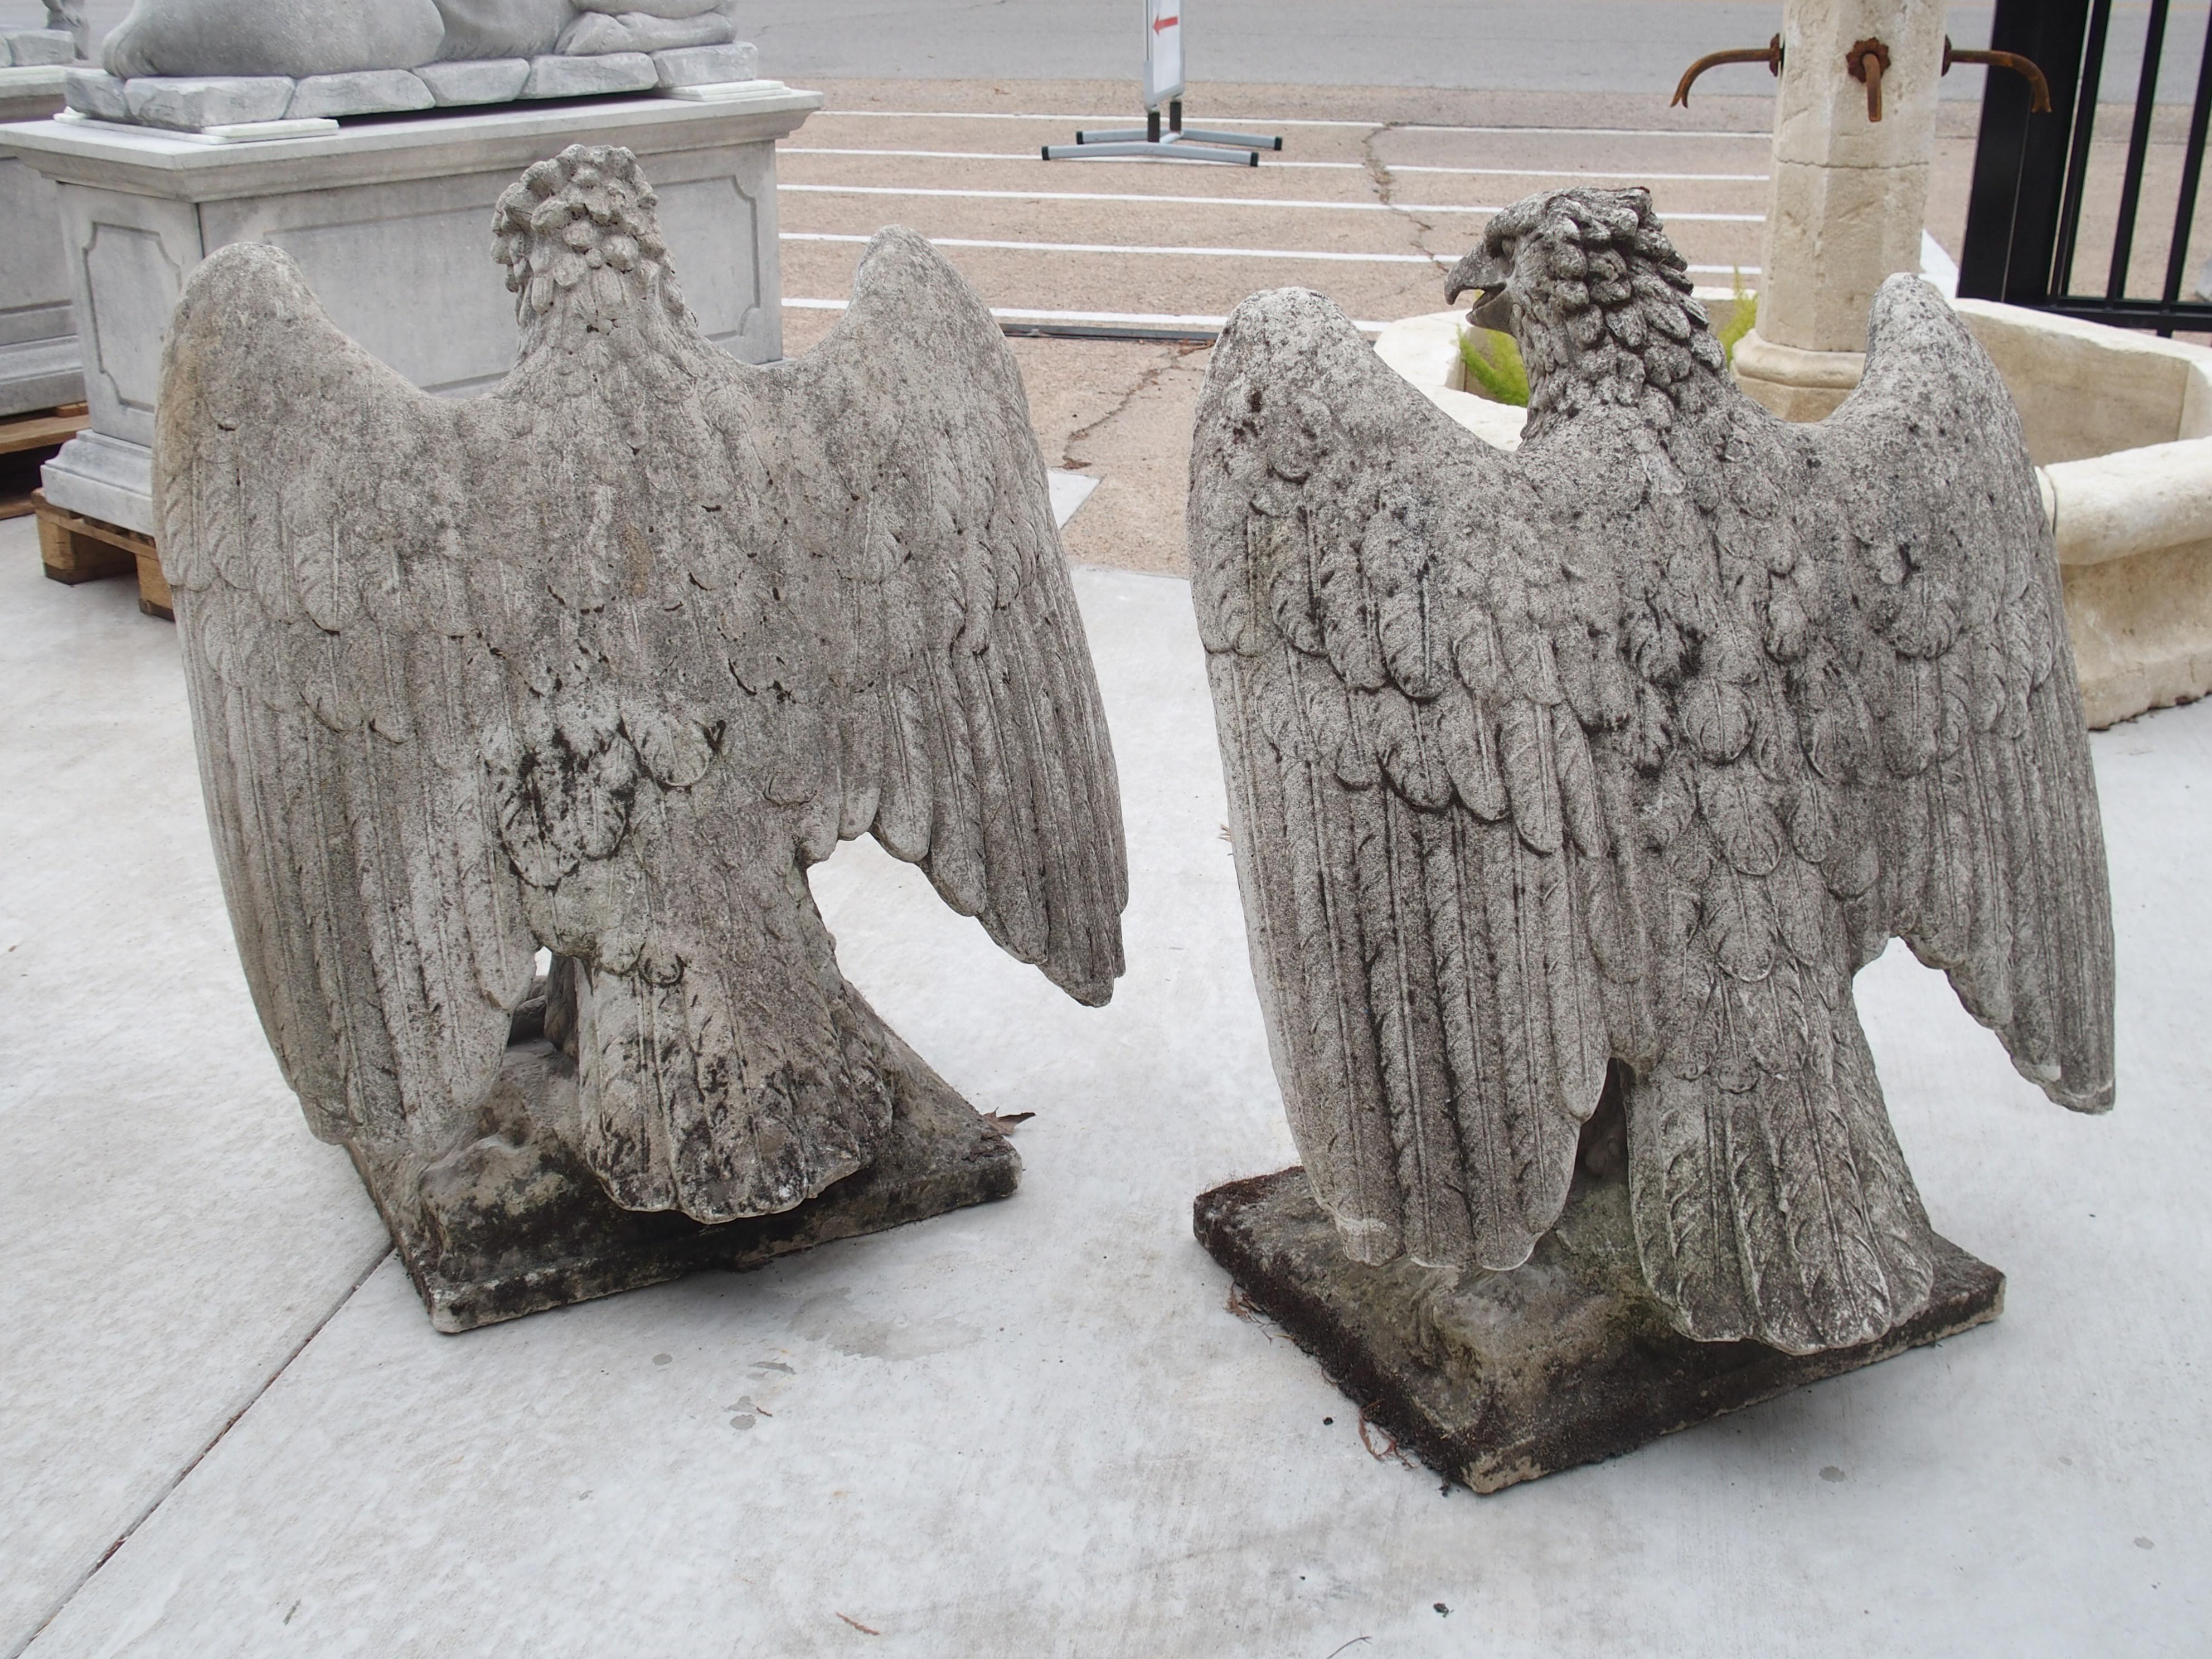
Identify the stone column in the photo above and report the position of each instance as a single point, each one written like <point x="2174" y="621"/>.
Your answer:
<point x="1848" y="198"/>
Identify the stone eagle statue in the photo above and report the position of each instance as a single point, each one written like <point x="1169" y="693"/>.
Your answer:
<point x="1632" y="747"/>
<point x="602" y="662"/>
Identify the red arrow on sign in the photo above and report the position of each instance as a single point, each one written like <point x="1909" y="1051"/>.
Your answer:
<point x="1165" y="23"/>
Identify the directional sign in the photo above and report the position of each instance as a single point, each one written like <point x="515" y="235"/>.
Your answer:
<point x="1163" y="51"/>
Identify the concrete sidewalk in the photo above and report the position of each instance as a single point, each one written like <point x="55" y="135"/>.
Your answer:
<point x="1035" y="1428"/>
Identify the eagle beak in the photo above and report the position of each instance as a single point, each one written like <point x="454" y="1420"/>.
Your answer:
<point x="1485" y="275"/>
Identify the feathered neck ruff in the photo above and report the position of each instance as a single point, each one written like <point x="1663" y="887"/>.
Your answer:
<point x="594" y="291"/>
<point x="1602" y="309"/>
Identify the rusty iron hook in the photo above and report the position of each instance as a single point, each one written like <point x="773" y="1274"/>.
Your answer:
<point x="1868" y="61"/>
<point x="1770" y="54"/>
<point x="2038" y="89"/>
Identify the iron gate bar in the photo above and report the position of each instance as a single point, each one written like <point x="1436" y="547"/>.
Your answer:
<point x="2123" y="232"/>
<point x="2192" y="168"/>
<point x="2149" y="314"/>
<point x="2061" y="279"/>
<point x="2012" y="211"/>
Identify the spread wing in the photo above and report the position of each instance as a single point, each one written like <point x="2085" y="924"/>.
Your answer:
<point x="841" y="578"/>
<point x="1987" y="838"/>
<point x="959" y="712"/>
<point x="1431" y="851"/>
<point x="311" y="504"/>
<point x="604" y="660"/>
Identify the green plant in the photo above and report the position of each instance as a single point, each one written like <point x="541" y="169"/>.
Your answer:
<point x="1495" y="371"/>
<point x="1739" y="319"/>
<point x="1494" y="365"/>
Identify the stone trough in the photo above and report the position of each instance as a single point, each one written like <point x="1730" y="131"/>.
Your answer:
<point x="2120" y="426"/>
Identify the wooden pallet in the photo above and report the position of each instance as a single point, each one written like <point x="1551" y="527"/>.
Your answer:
<point x="79" y="550"/>
<point x="24" y="435"/>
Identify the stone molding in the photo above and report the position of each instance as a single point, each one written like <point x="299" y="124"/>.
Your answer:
<point x="202" y="103"/>
<point x="1796" y="383"/>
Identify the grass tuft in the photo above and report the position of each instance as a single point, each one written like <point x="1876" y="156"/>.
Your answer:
<point x="1739" y="319"/>
<point x="1494" y="369"/>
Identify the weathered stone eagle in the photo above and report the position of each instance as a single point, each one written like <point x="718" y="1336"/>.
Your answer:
<point x="602" y="662"/>
<point x="1633" y="747"/>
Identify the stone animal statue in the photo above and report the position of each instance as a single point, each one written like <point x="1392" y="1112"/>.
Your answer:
<point x="1625" y="751"/>
<point x="602" y="662"/>
<point x="331" y="36"/>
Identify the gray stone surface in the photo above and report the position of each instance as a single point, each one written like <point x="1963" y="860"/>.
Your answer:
<point x="1510" y="1377"/>
<point x="585" y="77"/>
<point x="29" y="47"/>
<point x="1633" y="746"/>
<point x="256" y="38"/>
<point x="350" y="59"/>
<point x="193" y="103"/>
<point x="359" y="91"/>
<point x="483" y="81"/>
<point x="503" y="29"/>
<point x="707" y="66"/>
<point x="566" y="765"/>
<point x="302" y="38"/>
<point x="70" y="18"/>
<point x="603" y="26"/>
<point x="97" y="93"/>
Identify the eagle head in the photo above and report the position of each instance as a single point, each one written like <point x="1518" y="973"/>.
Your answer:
<point x="1598" y="299"/>
<point x="580" y="240"/>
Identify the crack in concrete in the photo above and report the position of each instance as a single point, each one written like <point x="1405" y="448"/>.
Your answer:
<point x="169" y="1488"/>
<point x="1386" y="191"/>
<point x="1149" y="379"/>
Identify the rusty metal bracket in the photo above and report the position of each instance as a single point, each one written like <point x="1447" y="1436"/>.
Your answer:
<point x="1770" y="54"/>
<point x="1868" y="61"/>
<point x="2038" y="89"/>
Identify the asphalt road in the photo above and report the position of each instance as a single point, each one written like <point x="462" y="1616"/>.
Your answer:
<point x="1550" y="45"/>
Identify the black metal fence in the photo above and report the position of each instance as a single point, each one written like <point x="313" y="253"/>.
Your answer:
<point x="2031" y="172"/>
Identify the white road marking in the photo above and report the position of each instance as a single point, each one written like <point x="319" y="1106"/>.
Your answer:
<point x="1135" y="319"/>
<point x="1114" y="318"/>
<point x="1295" y="121"/>
<point x="1195" y="253"/>
<point x="1129" y="247"/>
<point x="1314" y="167"/>
<point x="1211" y="201"/>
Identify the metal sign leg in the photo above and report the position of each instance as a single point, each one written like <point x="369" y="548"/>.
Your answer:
<point x="1163" y="83"/>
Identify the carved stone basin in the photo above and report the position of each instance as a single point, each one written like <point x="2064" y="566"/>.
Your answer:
<point x="2120" y="426"/>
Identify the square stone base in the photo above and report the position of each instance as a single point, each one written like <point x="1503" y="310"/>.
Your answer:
<point x="1510" y="1375"/>
<point x="514" y="1223"/>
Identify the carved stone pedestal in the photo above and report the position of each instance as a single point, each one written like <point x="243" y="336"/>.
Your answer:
<point x="1508" y="1377"/>
<point x="513" y="1222"/>
<point x="391" y="222"/>
<point x="38" y="361"/>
